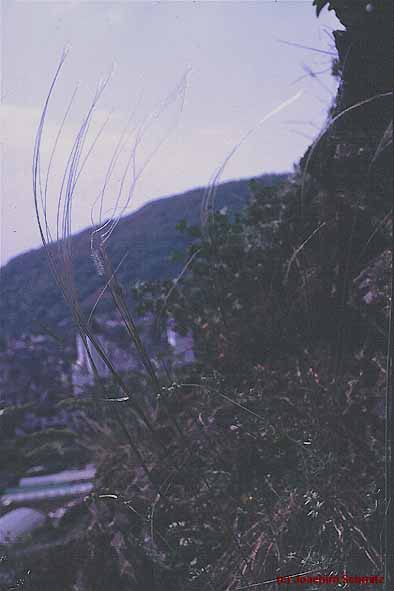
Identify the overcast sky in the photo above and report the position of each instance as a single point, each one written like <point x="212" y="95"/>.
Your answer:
<point x="230" y="58"/>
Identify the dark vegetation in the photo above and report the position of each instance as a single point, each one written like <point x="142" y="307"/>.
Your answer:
<point x="267" y="456"/>
<point x="29" y="298"/>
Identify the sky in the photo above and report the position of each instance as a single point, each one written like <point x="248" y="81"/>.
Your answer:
<point x="186" y="81"/>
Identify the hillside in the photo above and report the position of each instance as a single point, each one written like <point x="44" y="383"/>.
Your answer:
<point x="29" y="298"/>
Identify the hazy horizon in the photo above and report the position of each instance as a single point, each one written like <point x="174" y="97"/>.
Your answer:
<point x="155" y="200"/>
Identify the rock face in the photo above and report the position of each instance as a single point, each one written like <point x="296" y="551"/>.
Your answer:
<point x="347" y="179"/>
<point x="365" y="166"/>
<point x="372" y="290"/>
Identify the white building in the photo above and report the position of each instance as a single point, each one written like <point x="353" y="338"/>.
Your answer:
<point x="181" y="345"/>
<point x="18" y="523"/>
<point x="82" y="373"/>
<point x="178" y="348"/>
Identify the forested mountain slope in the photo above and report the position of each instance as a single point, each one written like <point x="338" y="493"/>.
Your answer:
<point x="30" y="299"/>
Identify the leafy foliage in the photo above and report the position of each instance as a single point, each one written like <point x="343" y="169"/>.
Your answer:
<point x="232" y="299"/>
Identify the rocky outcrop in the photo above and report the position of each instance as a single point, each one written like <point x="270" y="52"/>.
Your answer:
<point x="346" y="195"/>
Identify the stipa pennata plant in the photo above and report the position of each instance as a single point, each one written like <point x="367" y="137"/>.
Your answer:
<point x="57" y="240"/>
